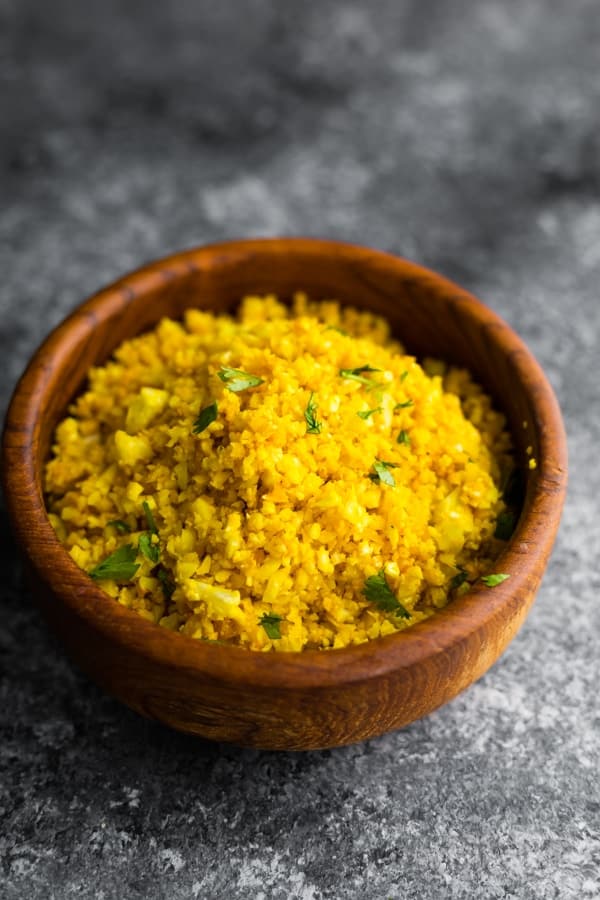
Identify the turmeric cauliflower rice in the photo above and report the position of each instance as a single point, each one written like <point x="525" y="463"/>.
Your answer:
<point x="282" y="480"/>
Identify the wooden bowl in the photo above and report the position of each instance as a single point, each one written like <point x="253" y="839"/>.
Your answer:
<point x="313" y="699"/>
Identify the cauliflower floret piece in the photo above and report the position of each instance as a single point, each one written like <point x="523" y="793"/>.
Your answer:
<point x="131" y="449"/>
<point x="220" y="603"/>
<point x="145" y="407"/>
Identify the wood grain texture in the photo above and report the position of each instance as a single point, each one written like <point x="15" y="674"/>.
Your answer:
<point x="311" y="699"/>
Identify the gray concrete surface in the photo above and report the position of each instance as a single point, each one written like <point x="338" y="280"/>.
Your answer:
<point x="464" y="135"/>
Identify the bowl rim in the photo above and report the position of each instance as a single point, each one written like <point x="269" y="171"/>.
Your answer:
<point x="307" y="669"/>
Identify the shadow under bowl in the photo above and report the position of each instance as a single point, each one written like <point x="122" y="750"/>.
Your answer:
<point x="313" y="699"/>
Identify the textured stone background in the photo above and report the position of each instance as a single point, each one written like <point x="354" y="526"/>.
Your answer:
<point x="464" y="135"/>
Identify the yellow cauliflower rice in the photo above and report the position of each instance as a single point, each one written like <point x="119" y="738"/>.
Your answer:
<point x="282" y="480"/>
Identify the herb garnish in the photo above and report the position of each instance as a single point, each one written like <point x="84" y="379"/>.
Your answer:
<point x="377" y="591"/>
<point x="493" y="580"/>
<point x="505" y="525"/>
<point x="150" y="550"/>
<point x="403" y="438"/>
<point x="382" y="473"/>
<point x="404" y="405"/>
<point x="237" y="380"/>
<point x="271" y="622"/>
<point x="357" y="374"/>
<point x="459" y="579"/>
<point x="166" y="580"/>
<point x="120" y="565"/>
<point x="149" y="518"/>
<point x="205" y="418"/>
<point x="336" y="328"/>
<point x="310" y="415"/>
<point x="121" y="526"/>
<point x="145" y="545"/>
<point x="365" y="413"/>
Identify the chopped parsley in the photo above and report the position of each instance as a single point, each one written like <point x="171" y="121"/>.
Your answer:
<point x="377" y="591"/>
<point x="145" y="544"/>
<point x="403" y="376"/>
<point x="365" y="413"/>
<point x="271" y="622"/>
<point x="121" y="526"/>
<point x="205" y="418"/>
<point x="403" y="438"/>
<point x="459" y="579"/>
<point x="119" y="566"/>
<point x="505" y="525"/>
<point x="357" y="374"/>
<point x="150" y="550"/>
<point x="166" y="580"/>
<point x="493" y="580"/>
<point x="404" y="405"/>
<point x="149" y="518"/>
<point x="382" y="473"/>
<point x="236" y="380"/>
<point x="336" y="328"/>
<point x="310" y="415"/>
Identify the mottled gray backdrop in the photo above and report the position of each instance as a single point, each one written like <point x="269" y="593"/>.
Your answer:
<point x="465" y="135"/>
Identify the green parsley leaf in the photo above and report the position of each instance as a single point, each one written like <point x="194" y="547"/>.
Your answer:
<point x="166" y="580"/>
<point x="403" y="438"/>
<point x="385" y="477"/>
<point x="119" y="566"/>
<point x="357" y="374"/>
<point x="403" y="376"/>
<point x="365" y="413"/>
<point x="149" y="518"/>
<point x="382" y="473"/>
<point x="377" y="591"/>
<point x="121" y="526"/>
<point x="339" y="330"/>
<point x="459" y="579"/>
<point x="145" y="545"/>
<point x="236" y="380"/>
<point x="271" y="622"/>
<point x="493" y="580"/>
<point x="404" y="405"/>
<point x="310" y="416"/>
<point x="150" y="550"/>
<point x="205" y="418"/>
<point x="505" y="525"/>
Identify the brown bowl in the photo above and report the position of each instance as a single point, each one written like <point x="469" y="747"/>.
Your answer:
<point x="312" y="699"/>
